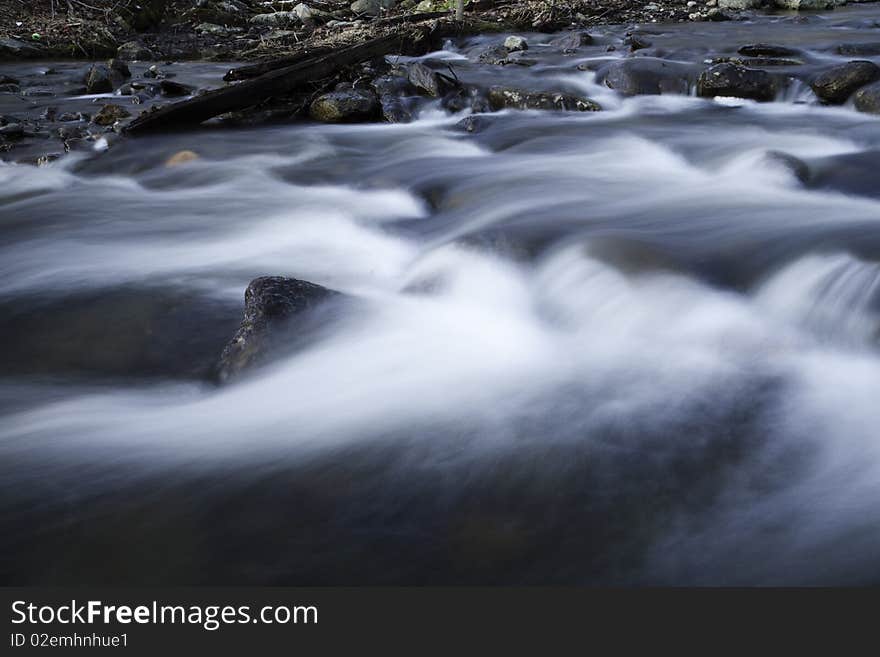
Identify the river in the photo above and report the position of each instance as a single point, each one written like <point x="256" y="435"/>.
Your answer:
<point x="635" y="346"/>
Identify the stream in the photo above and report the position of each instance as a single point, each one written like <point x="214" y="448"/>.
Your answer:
<point x="626" y="347"/>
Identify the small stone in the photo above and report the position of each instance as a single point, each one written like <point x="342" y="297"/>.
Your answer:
<point x="514" y="43"/>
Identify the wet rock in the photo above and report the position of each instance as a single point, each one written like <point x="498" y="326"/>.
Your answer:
<point x="345" y="106"/>
<point x="795" y="165"/>
<point x="7" y="79"/>
<point x="430" y="81"/>
<point x="270" y="302"/>
<point x="12" y="131"/>
<point x="9" y="88"/>
<point x="739" y="5"/>
<point x="474" y="123"/>
<point x="110" y="114"/>
<point x="636" y="42"/>
<point x="120" y="332"/>
<point x="503" y="97"/>
<point x="738" y="82"/>
<point x="648" y="75"/>
<point x="494" y="55"/>
<point x="767" y="50"/>
<point x="393" y="109"/>
<point x="394" y="83"/>
<point x="860" y="49"/>
<point x="837" y="84"/>
<point x="134" y="51"/>
<point x="371" y="7"/>
<point x="514" y="43"/>
<point x="867" y="99"/>
<point x="38" y="92"/>
<point x="569" y="43"/>
<point x="717" y="15"/>
<point x="808" y="4"/>
<point x="275" y="19"/>
<point x="174" y="89"/>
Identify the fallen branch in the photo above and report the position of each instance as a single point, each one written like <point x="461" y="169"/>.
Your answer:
<point x="274" y="83"/>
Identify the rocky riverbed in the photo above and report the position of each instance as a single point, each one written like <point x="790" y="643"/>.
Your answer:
<point x="594" y="306"/>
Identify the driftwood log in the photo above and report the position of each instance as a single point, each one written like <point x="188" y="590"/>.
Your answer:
<point x="306" y="68"/>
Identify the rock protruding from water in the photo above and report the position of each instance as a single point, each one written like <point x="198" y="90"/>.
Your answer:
<point x="837" y="84"/>
<point x="649" y="76"/>
<point x="104" y="78"/>
<point x="345" y="106"/>
<point x="503" y="97"/>
<point x="514" y="43"/>
<point x="737" y="82"/>
<point x="867" y="99"/>
<point x="270" y="302"/>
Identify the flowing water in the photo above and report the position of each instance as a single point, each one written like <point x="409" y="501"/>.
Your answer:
<point x="632" y="346"/>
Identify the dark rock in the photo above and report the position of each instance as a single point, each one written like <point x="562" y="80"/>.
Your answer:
<point x="97" y="79"/>
<point x="7" y="79"/>
<point x="38" y="92"/>
<point x="430" y="81"/>
<point x="270" y="302"/>
<point x="867" y="99"/>
<point x="860" y="49"/>
<point x="110" y="114"/>
<point x="837" y="84"/>
<point x="346" y="106"/>
<point x="49" y="113"/>
<point x="68" y="117"/>
<point x="570" y="42"/>
<point x="395" y="83"/>
<point x="494" y="55"/>
<point x="474" y="123"/>
<point x="650" y="76"/>
<point x="502" y="97"/>
<point x="134" y="51"/>
<point x="9" y="88"/>
<point x="174" y="89"/>
<point x="798" y="167"/>
<point x="767" y="50"/>
<point x="12" y="131"/>
<point x="737" y="81"/>
<point x="120" y="332"/>
<point x="393" y="109"/>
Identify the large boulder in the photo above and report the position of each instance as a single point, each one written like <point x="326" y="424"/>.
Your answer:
<point x="504" y="97"/>
<point x="737" y="81"/>
<point x="648" y="76"/>
<point x="867" y="99"/>
<point x="345" y="106"/>
<point x="837" y="84"/>
<point x="270" y="303"/>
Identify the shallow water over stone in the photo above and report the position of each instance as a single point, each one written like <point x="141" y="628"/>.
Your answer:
<point x="629" y="346"/>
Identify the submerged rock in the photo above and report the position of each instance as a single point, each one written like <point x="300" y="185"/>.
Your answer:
<point x="860" y="49"/>
<point x="269" y="303"/>
<point x="867" y="99"/>
<point x="649" y="76"/>
<point x="134" y="51"/>
<point x="345" y="106"/>
<point x="738" y="82"/>
<point x="514" y="43"/>
<point x="837" y="84"/>
<point x="503" y="97"/>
